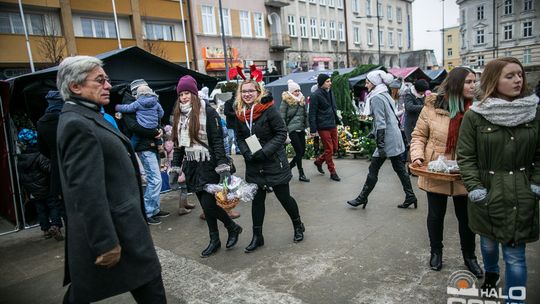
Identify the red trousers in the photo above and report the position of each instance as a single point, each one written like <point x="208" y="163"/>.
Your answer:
<point x="329" y="140"/>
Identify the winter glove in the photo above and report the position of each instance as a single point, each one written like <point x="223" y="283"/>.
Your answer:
<point x="110" y="258"/>
<point x="380" y="142"/>
<point x="225" y="176"/>
<point x="478" y="195"/>
<point x="259" y="156"/>
<point x="535" y="189"/>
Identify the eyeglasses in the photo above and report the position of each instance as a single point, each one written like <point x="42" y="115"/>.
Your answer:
<point x="100" y="80"/>
<point x="248" y="91"/>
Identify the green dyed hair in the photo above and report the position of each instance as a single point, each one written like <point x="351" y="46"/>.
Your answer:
<point x="452" y="90"/>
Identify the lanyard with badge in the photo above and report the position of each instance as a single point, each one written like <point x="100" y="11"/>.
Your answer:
<point x="252" y="141"/>
<point x="185" y="141"/>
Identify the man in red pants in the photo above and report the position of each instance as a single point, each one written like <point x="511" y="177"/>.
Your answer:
<point x="323" y="120"/>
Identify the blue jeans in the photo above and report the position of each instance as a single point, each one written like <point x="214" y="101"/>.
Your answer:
<point x="153" y="179"/>
<point x="232" y="139"/>
<point x="514" y="259"/>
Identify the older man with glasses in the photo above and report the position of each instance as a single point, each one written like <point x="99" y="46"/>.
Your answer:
<point x="109" y="246"/>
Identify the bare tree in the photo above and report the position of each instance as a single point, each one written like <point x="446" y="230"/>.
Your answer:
<point x="155" y="47"/>
<point x="52" y="45"/>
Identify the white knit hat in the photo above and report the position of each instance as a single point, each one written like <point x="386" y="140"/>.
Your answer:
<point x="293" y="86"/>
<point x="135" y="84"/>
<point x="380" y="77"/>
<point x="144" y="90"/>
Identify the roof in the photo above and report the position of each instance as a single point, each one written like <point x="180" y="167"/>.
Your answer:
<point x="413" y="72"/>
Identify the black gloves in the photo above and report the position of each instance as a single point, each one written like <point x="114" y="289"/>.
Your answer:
<point x="380" y="142"/>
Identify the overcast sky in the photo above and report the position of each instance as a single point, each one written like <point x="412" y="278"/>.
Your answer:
<point x="427" y="15"/>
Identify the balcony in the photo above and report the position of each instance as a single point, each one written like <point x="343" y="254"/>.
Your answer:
<point x="276" y="3"/>
<point x="280" y="41"/>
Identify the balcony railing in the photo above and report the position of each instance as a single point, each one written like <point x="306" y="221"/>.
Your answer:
<point x="280" y="41"/>
<point x="276" y="3"/>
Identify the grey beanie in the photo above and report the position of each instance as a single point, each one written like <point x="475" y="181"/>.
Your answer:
<point x="396" y="84"/>
<point x="135" y="84"/>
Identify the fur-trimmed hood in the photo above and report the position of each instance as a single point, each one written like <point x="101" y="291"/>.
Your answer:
<point x="289" y="99"/>
<point x="431" y="101"/>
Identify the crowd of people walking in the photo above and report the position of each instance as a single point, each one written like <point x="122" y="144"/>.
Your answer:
<point x="101" y="177"/>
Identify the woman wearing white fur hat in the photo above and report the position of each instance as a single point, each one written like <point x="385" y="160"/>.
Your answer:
<point x="294" y="113"/>
<point x="388" y="137"/>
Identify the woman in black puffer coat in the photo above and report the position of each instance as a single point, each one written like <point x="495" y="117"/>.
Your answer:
<point x="267" y="167"/>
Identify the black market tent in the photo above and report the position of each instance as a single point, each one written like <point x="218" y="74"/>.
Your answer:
<point x="305" y="79"/>
<point x="122" y="66"/>
<point x="436" y="76"/>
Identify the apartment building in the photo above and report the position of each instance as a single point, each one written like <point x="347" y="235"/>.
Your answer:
<point x="252" y="31"/>
<point x="387" y="36"/>
<point x="491" y="29"/>
<point x="58" y="28"/>
<point x="452" y="56"/>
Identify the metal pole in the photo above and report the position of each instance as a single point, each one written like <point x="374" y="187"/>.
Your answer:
<point x="379" y="33"/>
<point x="442" y="31"/>
<point x="223" y="41"/>
<point x="28" y="49"/>
<point x="116" y="25"/>
<point x="184" y="32"/>
<point x="494" y="27"/>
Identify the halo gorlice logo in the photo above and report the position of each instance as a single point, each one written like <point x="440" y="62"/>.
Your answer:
<point x="462" y="288"/>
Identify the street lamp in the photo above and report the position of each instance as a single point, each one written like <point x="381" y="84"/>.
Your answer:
<point x="378" y="16"/>
<point x="442" y="30"/>
<point x="223" y="41"/>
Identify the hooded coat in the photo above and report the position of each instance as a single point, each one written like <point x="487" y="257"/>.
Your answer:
<point x="147" y="108"/>
<point x="294" y="113"/>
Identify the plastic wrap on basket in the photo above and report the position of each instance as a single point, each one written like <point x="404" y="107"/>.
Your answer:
<point x="236" y="191"/>
<point x="442" y="165"/>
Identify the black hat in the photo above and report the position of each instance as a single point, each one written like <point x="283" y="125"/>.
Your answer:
<point x="321" y="79"/>
<point x="421" y="85"/>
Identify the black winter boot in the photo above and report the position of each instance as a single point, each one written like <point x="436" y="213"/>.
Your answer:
<point x="299" y="230"/>
<point x="234" y="231"/>
<point x="302" y="177"/>
<point x="472" y="264"/>
<point x="257" y="240"/>
<point x="213" y="246"/>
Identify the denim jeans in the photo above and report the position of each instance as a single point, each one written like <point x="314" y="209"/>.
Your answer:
<point x="232" y="139"/>
<point x="50" y="211"/>
<point x="514" y="259"/>
<point x="153" y="179"/>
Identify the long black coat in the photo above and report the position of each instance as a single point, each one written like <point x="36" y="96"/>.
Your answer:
<point x="272" y="133"/>
<point x="46" y="127"/>
<point x="104" y="203"/>
<point x="322" y="111"/>
<point x="199" y="174"/>
<point x="413" y="107"/>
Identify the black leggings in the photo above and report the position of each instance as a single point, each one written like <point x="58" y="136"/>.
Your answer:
<point x="283" y="194"/>
<point x="298" y="141"/>
<point x="212" y="211"/>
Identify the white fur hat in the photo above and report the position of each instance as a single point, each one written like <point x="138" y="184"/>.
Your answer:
<point x="293" y="86"/>
<point x="380" y="77"/>
<point x="144" y="90"/>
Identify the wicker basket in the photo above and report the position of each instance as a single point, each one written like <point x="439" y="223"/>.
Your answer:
<point x="423" y="171"/>
<point x="223" y="202"/>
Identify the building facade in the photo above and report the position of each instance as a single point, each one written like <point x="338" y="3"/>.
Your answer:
<point x="516" y="32"/>
<point x="58" y="28"/>
<point x="452" y="56"/>
<point x="394" y="28"/>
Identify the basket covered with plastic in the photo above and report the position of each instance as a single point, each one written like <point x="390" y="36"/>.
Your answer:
<point x="229" y="195"/>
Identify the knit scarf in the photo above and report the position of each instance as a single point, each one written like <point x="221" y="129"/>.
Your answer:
<point x="196" y="151"/>
<point x="453" y="128"/>
<point x="257" y="109"/>
<point x="380" y="88"/>
<point x="508" y="113"/>
<point x="298" y="99"/>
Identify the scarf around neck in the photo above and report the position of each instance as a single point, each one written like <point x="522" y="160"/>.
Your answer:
<point x="196" y="151"/>
<point x="299" y="99"/>
<point x="453" y="128"/>
<point x="508" y="113"/>
<point x="379" y="89"/>
<point x="257" y="109"/>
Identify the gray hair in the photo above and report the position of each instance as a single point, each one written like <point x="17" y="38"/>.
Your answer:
<point x="74" y="69"/>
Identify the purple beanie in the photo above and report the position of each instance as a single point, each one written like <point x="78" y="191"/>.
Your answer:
<point x="187" y="83"/>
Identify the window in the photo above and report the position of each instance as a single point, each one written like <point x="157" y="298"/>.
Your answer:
<point x="322" y="2"/>
<point x="462" y="17"/>
<point x="400" y="39"/>
<point x="370" y="36"/>
<point x="368" y="7"/>
<point x="341" y="31"/>
<point x="380" y="12"/>
<point x="157" y="31"/>
<point x="449" y="52"/>
<point x="208" y="20"/>
<point x="389" y="12"/>
<point x="226" y="22"/>
<point x="331" y="3"/>
<point x="463" y="44"/>
<point x="479" y="36"/>
<point x="449" y="39"/>
<point x="508" y="31"/>
<point x="508" y="8"/>
<point x="356" y="35"/>
<point x="98" y="28"/>
<point x="527" y="5"/>
<point x="398" y="15"/>
<point x="259" y="25"/>
<point x="245" y="24"/>
<point x="303" y="27"/>
<point x="292" y="26"/>
<point x="339" y="3"/>
<point x="391" y="39"/>
<point x="323" y="29"/>
<point x="480" y="12"/>
<point x="507" y="53"/>
<point x="527" y="29"/>
<point x="313" y="1"/>
<point x="381" y="40"/>
<point x="356" y="6"/>
<point x="11" y="23"/>
<point x="527" y="56"/>
<point x="332" y="30"/>
<point x="480" y="60"/>
<point x="313" y="26"/>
